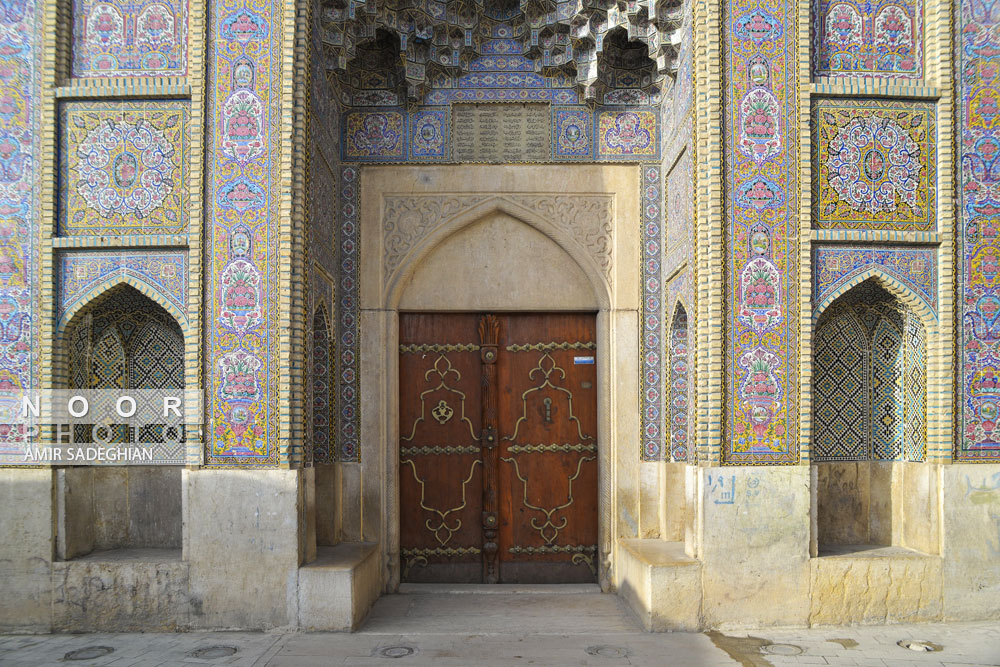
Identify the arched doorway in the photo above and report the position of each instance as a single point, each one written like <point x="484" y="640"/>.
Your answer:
<point x="497" y="412"/>
<point x="500" y="244"/>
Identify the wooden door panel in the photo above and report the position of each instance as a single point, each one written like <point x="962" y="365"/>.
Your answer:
<point x="548" y="449"/>
<point x="440" y="469"/>
<point x="498" y="448"/>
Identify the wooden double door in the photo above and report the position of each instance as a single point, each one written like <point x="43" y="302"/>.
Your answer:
<point x="498" y="448"/>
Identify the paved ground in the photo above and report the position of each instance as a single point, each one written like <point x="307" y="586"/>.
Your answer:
<point x="472" y="629"/>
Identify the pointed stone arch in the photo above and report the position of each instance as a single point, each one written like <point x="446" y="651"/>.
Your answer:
<point x="100" y="291"/>
<point x="161" y="348"/>
<point x="900" y="290"/>
<point x="581" y="226"/>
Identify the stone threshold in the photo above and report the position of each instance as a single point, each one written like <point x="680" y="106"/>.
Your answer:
<point x="498" y="589"/>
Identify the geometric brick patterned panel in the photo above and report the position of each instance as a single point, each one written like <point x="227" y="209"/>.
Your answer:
<point x="868" y="39"/>
<point x="870" y="379"/>
<point x="874" y="164"/>
<point x="156" y="357"/>
<point x="914" y="392"/>
<point x="107" y="366"/>
<point x="322" y="394"/>
<point x="129" y="38"/>
<point x="886" y="391"/>
<point x="136" y="344"/>
<point x="841" y="391"/>
<point x="123" y="168"/>
<point x="80" y="349"/>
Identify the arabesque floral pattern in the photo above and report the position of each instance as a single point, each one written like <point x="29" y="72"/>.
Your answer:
<point x="761" y="160"/>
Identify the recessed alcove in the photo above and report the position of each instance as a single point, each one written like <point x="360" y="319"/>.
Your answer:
<point x="865" y="506"/>
<point x="875" y="499"/>
<point x="121" y="340"/>
<point x="625" y="72"/>
<point x="869" y="415"/>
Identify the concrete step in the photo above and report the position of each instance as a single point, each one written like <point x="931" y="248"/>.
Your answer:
<point x="338" y="588"/>
<point x="661" y="583"/>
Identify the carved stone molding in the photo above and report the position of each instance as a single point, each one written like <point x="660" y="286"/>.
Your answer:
<point x="407" y="219"/>
<point x="586" y="218"/>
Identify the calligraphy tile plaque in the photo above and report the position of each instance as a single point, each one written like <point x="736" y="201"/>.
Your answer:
<point x="500" y="133"/>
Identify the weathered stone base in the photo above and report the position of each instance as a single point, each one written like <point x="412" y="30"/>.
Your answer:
<point x="880" y="585"/>
<point x="661" y="584"/>
<point x="128" y="590"/>
<point x="337" y="590"/>
<point x="749" y="556"/>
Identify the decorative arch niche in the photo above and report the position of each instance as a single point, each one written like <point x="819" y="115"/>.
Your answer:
<point x="415" y="223"/>
<point x="870" y="379"/>
<point x="680" y="385"/>
<point x="869" y="413"/>
<point x="625" y="72"/>
<point x="322" y="388"/>
<point x="121" y="339"/>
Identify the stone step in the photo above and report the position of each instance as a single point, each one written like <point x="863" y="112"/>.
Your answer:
<point x="498" y="589"/>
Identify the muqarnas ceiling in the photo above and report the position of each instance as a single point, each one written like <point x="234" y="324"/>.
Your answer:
<point x="598" y="47"/>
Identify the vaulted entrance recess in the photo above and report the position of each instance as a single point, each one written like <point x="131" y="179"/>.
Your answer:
<point x="498" y="448"/>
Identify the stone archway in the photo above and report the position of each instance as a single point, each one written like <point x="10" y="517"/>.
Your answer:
<point x="587" y="240"/>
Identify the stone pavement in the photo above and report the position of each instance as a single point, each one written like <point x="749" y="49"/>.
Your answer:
<point x="467" y="627"/>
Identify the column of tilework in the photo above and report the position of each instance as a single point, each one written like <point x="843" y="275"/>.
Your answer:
<point x="761" y="222"/>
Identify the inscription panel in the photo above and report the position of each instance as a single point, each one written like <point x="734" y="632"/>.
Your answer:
<point x="500" y="132"/>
